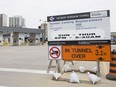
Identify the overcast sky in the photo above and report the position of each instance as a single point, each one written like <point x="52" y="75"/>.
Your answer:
<point x="35" y="10"/>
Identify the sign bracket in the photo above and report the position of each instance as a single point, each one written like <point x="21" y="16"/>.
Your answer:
<point x="70" y="61"/>
<point x="98" y="67"/>
<point x="57" y="66"/>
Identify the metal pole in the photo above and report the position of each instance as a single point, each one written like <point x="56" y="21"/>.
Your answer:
<point x="58" y="66"/>
<point x="50" y="63"/>
<point x="98" y="67"/>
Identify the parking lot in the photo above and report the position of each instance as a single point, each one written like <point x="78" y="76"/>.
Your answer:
<point x="26" y="66"/>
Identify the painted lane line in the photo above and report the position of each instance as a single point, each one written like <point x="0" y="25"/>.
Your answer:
<point x="3" y="86"/>
<point x="26" y="71"/>
<point x="105" y="68"/>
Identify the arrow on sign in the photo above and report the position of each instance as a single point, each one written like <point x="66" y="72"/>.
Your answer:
<point x="100" y="46"/>
<point x="100" y="58"/>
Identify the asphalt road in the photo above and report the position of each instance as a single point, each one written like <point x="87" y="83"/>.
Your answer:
<point x="26" y="66"/>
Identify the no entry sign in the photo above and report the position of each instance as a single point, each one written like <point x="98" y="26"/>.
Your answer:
<point x="54" y="52"/>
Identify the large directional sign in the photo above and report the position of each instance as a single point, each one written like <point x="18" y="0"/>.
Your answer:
<point x="81" y="31"/>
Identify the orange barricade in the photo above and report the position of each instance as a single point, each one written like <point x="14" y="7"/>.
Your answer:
<point x="112" y="71"/>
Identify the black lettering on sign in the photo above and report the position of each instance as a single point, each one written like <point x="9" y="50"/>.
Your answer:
<point x="85" y="50"/>
<point x="78" y="56"/>
<point x="99" y="53"/>
<point x="67" y="50"/>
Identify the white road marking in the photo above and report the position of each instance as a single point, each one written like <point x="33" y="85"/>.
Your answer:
<point x="3" y="86"/>
<point x="105" y="68"/>
<point x="26" y="71"/>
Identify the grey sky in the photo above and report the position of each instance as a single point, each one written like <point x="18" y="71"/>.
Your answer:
<point x="34" y="10"/>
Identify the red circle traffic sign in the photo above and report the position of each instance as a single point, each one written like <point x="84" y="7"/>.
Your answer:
<point x="54" y="52"/>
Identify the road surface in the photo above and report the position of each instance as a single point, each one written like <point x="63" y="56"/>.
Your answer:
<point x="26" y="66"/>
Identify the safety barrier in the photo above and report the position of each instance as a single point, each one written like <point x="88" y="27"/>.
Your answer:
<point x="112" y="70"/>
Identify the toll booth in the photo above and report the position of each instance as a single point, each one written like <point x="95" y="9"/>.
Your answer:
<point x="37" y="39"/>
<point x="15" y="38"/>
<point x="32" y="39"/>
<point x="20" y="36"/>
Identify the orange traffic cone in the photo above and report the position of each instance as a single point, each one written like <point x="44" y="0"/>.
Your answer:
<point x="112" y="71"/>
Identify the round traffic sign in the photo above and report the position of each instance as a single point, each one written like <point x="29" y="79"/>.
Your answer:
<point x="54" y="52"/>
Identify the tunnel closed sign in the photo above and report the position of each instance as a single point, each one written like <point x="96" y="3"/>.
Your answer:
<point x="86" y="53"/>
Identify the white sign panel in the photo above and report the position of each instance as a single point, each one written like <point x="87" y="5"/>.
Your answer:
<point x="89" y="34"/>
<point x="98" y="25"/>
<point x="82" y="26"/>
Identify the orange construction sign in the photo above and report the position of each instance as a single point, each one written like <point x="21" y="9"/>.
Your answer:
<point x="86" y="52"/>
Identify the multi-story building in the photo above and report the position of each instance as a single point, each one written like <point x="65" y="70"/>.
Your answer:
<point x="3" y="20"/>
<point x="16" y="21"/>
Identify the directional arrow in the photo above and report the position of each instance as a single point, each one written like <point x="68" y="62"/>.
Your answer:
<point x="100" y="58"/>
<point x="100" y="46"/>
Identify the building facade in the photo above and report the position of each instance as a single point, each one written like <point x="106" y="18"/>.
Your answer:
<point x="20" y="36"/>
<point x="3" y="20"/>
<point x="17" y="21"/>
